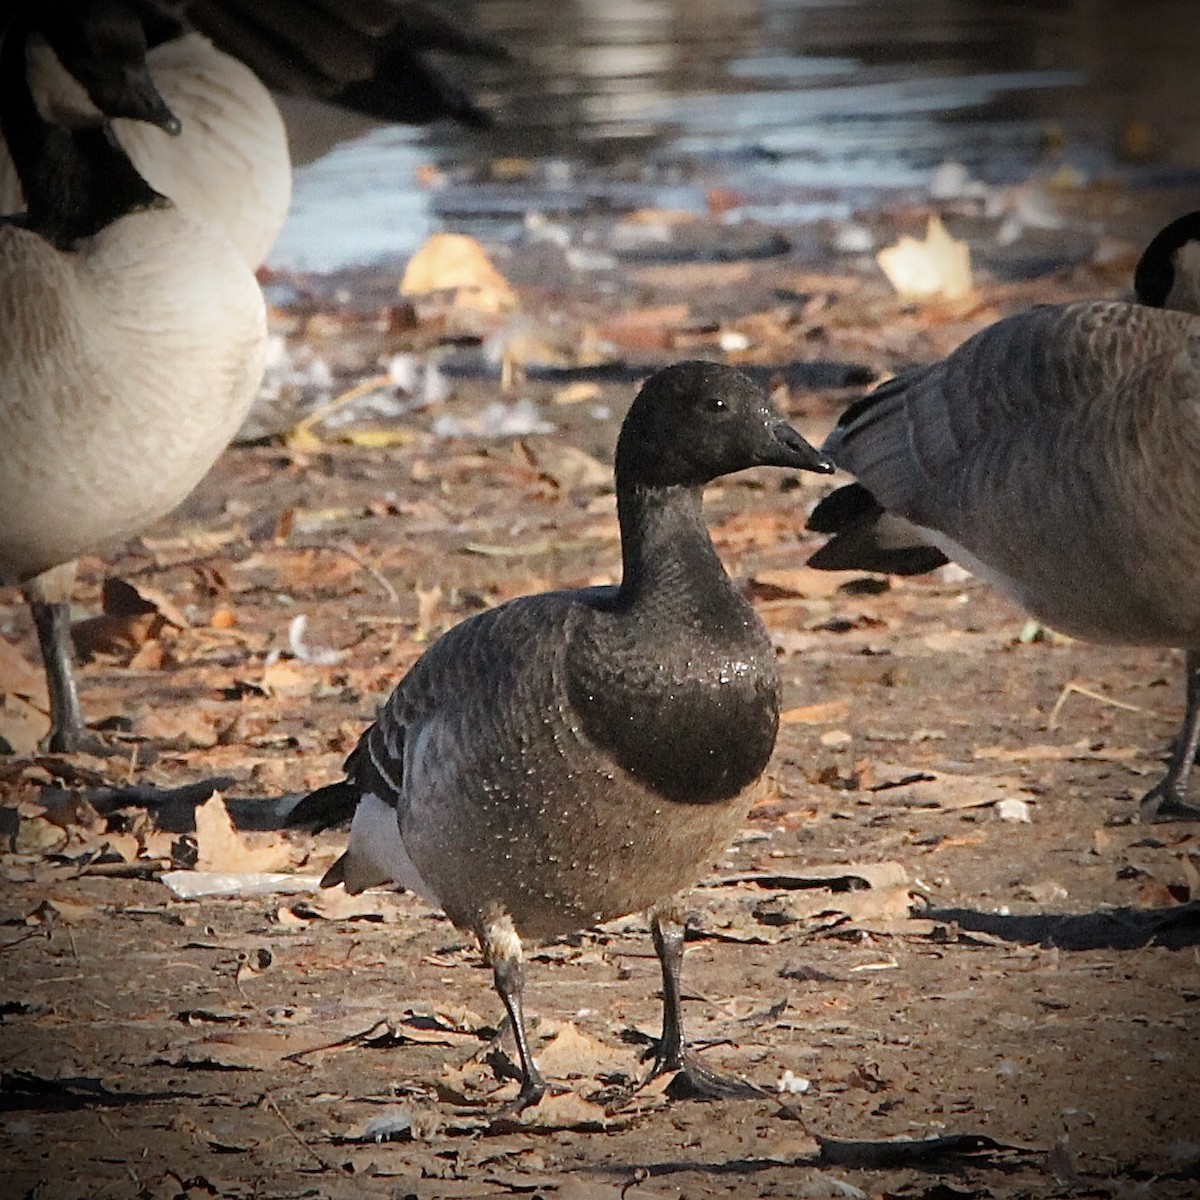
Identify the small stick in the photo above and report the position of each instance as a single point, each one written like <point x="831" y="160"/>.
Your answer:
<point x="1078" y="688"/>
<point x="268" y="1101"/>
<point x="305" y="427"/>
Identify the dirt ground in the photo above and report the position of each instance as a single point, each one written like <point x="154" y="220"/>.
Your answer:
<point x="941" y="922"/>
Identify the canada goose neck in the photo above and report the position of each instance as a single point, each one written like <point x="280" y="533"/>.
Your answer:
<point x="76" y="182"/>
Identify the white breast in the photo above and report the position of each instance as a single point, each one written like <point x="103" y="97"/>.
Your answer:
<point x="125" y="369"/>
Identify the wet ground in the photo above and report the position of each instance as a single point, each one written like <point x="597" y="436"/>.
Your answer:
<point x="941" y="921"/>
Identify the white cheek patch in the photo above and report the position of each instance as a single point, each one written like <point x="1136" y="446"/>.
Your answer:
<point x="1185" y="290"/>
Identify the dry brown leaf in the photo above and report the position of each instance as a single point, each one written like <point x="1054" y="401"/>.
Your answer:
<point x="116" y="635"/>
<point x="221" y="848"/>
<point x="18" y="676"/>
<point x="645" y="328"/>
<point x="251" y="1050"/>
<point x="556" y="1111"/>
<point x="940" y="265"/>
<point x="456" y="263"/>
<point x="570" y="1052"/>
<point x="36" y="835"/>
<point x="193" y="727"/>
<point x="816" y="714"/>
<point x="1051" y="753"/>
<point x="71" y="912"/>
<point x="284" y="677"/>
<point x="577" y="393"/>
<point x="795" y="581"/>
<point x="954" y="792"/>
<point x="569" y="467"/>
<point x="120" y="598"/>
<point x="22" y="724"/>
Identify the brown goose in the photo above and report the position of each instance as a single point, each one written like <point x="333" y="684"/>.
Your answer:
<point x="131" y="346"/>
<point x="574" y="756"/>
<point x="1057" y="455"/>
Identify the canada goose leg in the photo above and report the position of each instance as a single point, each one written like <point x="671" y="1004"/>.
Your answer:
<point x="693" y="1080"/>
<point x="1167" y="800"/>
<point x="502" y="949"/>
<point x="52" y="617"/>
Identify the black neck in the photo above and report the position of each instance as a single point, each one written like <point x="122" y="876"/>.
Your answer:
<point x="76" y="182"/>
<point x="162" y="20"/>
<point x="668" y="556"/>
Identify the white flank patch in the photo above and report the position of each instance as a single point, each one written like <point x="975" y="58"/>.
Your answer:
<point x="377" y="853"/>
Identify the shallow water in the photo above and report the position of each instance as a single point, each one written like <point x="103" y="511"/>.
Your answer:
<point x="804" y="108"/>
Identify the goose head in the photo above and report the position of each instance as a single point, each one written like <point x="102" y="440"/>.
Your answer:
<point x="76" y="182"/>
<point x="695" y="421"/>
<point x="1168" y="273"/>
<point x="102" y="44"/>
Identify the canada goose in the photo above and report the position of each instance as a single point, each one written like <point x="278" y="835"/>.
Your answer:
<point x="231" y="163"/>
<point x="1056" y="454"/>
<point x="575" y="756"/>
<point x="131" y="345"/>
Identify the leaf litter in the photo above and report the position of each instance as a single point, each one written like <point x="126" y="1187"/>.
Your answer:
<point x="879" y="934"/>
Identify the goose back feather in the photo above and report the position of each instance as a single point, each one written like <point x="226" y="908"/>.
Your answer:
<point x="1050" y="454"/>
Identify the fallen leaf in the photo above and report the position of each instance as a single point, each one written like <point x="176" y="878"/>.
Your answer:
<point x="23" y="724"/>
<point x="221" y="848"/>
<point x="816" y="714"/>
<point x="191" y="727"/>
<point x="1051" y="753"/>
<point x="947" y="791"/>
<point x="18" y="676"/>
<point x="456" y="263"/>
<point x="569" y="1051"/>
<point x="645" y="328"/>
<point x="795" y="581"/>
<point x="556" y="1111"/>
<point x="938" y="266"/>
<point x="284" y="678"/>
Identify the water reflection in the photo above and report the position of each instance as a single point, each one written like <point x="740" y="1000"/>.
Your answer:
<point x="783" y="97"/>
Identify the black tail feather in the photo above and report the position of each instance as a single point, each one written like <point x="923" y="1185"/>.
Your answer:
<point x="327" y="806"/>
<point x="866" y="538"/>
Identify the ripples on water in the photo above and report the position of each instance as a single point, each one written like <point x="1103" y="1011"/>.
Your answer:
<point x="807" y="107"/>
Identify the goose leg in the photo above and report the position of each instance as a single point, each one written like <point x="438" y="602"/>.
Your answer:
<point x="52" y="617"/>
<point x="693" y="1081"/>
<point x="1167" y="800"/>
<point x="502" y="948"/>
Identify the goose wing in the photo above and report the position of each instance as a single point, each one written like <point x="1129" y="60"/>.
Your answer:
<point x="376" y="57"/>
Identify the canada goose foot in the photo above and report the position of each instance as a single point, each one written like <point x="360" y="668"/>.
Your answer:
<point x="1164" y="803"/>
<point x="695" y="1081"/>
<point x="79" y="740"/>
<point x="531" y="1093"/>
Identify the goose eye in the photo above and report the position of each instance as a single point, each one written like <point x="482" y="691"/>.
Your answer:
<point x="716" y="404"/>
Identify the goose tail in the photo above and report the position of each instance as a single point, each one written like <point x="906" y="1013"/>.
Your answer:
<point x="330" y="805"/>
<point x="865" y="537"/>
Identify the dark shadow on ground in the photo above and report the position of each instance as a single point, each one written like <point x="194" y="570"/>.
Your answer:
<point x="1115" y="929"/>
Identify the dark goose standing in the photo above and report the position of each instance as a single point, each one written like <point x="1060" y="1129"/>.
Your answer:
<point x="1057" y="455"/>
<point x="571" y="757"/>
<point x="132" y="338"/>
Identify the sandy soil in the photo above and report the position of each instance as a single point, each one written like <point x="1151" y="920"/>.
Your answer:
<point x="889" y="958"/>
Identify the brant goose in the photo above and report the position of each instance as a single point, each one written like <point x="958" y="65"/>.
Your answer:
<point x="1057" y="455"/>
<point x="574" y="756"/>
